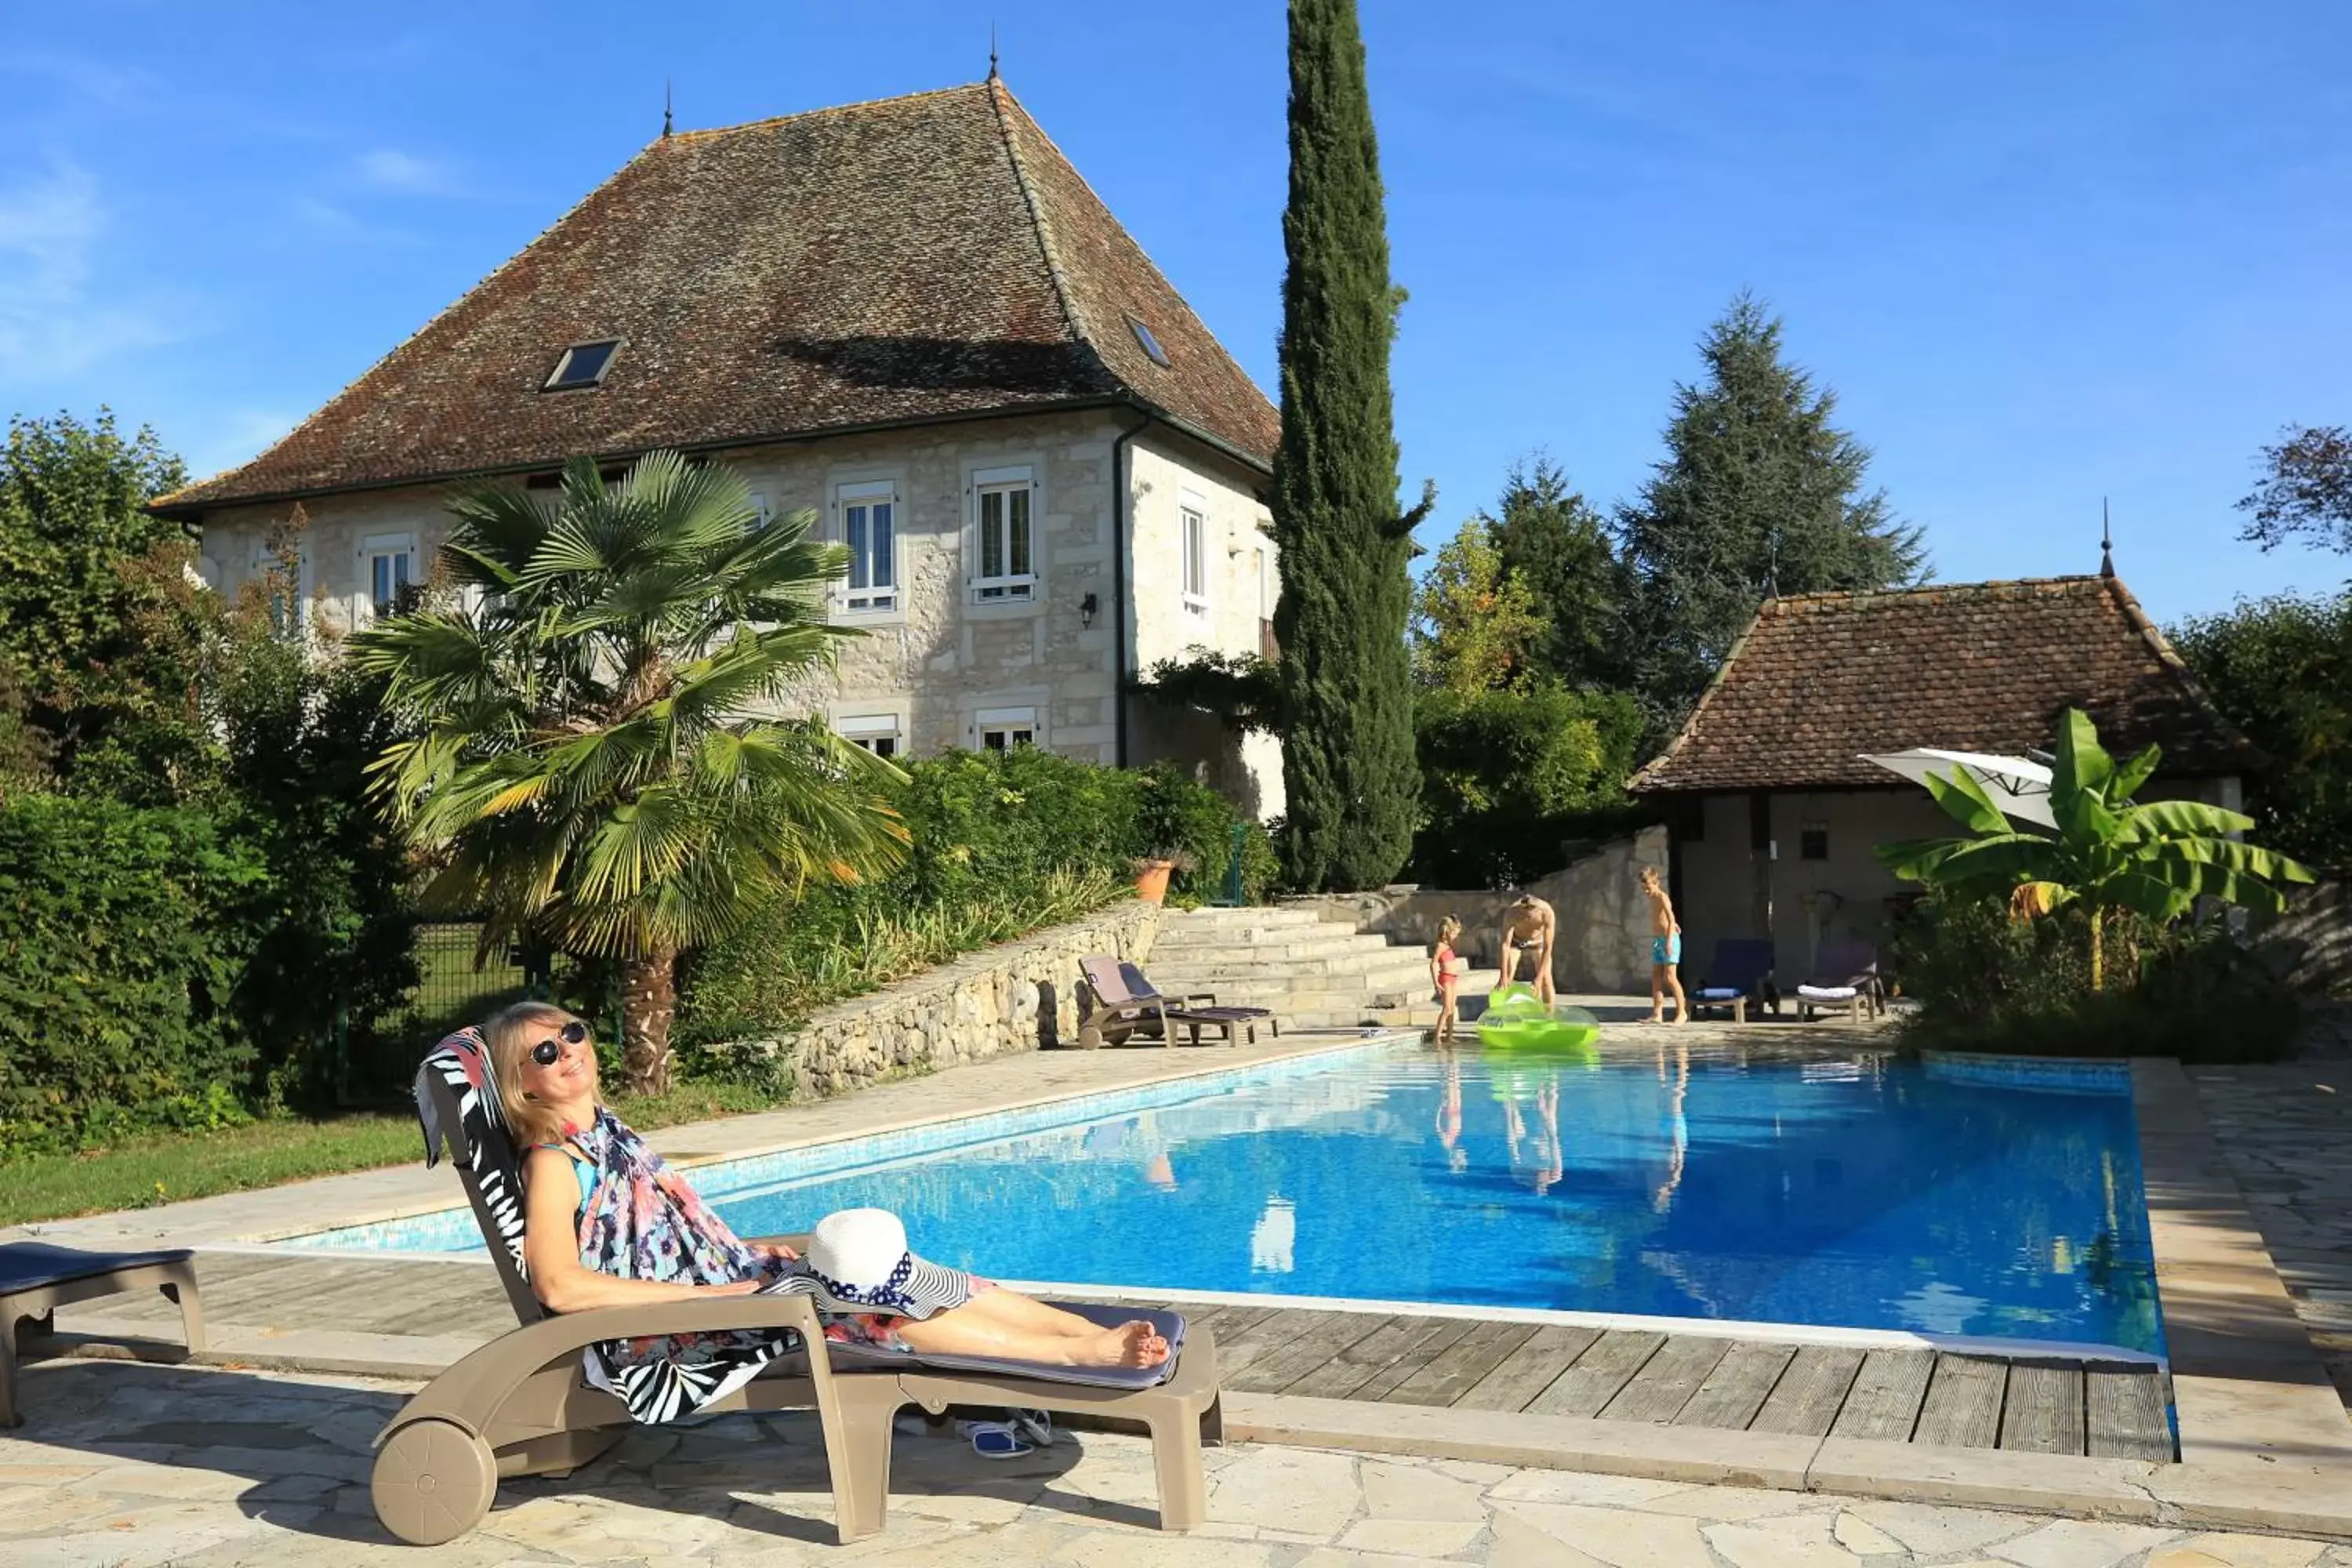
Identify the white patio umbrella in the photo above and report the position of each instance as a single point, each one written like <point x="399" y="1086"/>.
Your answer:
<point x="2020" y="786"/>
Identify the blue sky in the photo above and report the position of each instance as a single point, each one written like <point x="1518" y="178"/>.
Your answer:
<point x="2045" y="254"/>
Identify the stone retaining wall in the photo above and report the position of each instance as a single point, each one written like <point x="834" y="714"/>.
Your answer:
<point x="1015" y="996"/>
<point x="1604" y="922"/>
<point x="2317" y="933"/>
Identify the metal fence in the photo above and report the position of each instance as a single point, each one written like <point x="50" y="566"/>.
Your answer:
<point x="451" y="991"/>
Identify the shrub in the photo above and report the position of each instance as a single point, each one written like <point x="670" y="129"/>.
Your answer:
<point x="127" y="937"/>
<point x="1511" y="779"/>
<point x="1003" y="843"/>
<point x="1986" y="981"/>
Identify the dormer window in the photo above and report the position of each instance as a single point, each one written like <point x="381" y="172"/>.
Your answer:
<point x="1150" y="344"/>
<point x="582" y="365"/>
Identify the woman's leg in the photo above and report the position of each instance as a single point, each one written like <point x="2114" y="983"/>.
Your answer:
<point x="1011" y="1332"/>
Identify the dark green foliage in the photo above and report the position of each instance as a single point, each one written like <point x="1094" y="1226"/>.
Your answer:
<point x="91" y="588"/>
<point x="334" y="968"/>
<point x="1561" y="549"/>
<point x="1001" y="844"/>
<point x="1243" y="690"/>
<point x="2306" y="489"/>
<point x="2281" y="669"/>
<point x="1511" y="780"/>
<point x="1347" y="765"/>
<point x="1757" y="492"/>
<point x="1988" y="982"/>
<point x="127" y="947"/>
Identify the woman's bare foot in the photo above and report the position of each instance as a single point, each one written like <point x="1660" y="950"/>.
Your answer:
<point x="1129" y="1344"/>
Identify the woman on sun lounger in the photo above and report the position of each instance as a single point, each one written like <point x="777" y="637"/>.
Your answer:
<point x="607" y="1224"/>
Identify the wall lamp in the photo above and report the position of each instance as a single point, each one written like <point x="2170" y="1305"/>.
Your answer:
<point x="1086" y="607"/>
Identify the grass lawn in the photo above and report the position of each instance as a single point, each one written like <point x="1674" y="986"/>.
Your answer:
<point x="165" y="1167"/>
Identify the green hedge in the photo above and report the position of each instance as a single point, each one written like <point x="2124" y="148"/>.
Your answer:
<point x="127" y="934"/>
<point x="1988" y="982"/>
<point x="1511" y="780"/>
<point x="1002" y="843"/>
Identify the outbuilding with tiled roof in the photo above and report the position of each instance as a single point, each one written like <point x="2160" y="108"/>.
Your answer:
<point x="1775" y="811"/>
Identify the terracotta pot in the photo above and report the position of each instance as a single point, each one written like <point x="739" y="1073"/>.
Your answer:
<point x="1152" y="882"/>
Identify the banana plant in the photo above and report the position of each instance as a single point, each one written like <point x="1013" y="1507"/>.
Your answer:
<point x="2108" y="854"/>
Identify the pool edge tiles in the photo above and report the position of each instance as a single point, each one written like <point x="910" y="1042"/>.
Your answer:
<point x="451" y="1229"/>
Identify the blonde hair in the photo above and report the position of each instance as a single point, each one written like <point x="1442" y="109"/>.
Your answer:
<point x="1448" y="929"/>
<point x="1648" y="876"/>
<point x="513" y="1032"/>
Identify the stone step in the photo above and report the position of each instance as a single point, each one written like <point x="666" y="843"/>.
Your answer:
<point x="1285" y="950"/>
<point x="1380" y="961"/>
<point x="1251" y="915"/>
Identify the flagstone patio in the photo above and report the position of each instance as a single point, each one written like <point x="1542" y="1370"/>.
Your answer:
<point x="132" y="1465"/>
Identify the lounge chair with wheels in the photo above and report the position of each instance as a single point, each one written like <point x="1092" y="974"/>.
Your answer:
<point x="1844" y="981"/>
<point x="1741" y="972"/>
<point x="37" y="1278"/>
<point x="524" y="1406"/>
<point x="1128" y="1004"/>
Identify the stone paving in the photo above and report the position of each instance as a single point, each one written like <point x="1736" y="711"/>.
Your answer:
<point x="2287" y="1131"/>
<point x="128" y="1465"/>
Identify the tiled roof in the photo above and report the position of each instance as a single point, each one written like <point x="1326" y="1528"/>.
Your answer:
<point x="1819" y="679"/>
<point x="917" y="259"/>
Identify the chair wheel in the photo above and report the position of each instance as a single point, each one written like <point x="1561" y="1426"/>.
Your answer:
<point x="432" y="1482"/>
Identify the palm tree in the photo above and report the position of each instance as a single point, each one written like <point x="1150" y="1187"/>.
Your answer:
<point x="589" y="764"/>
<point x="2108" y="853"/>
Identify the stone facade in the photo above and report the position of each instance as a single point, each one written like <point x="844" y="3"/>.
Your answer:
<point x="1016" y="996"/>
<point x="947" y="661"/>
<point x="1227" y="608"/>
<point x="1604" y="922"/>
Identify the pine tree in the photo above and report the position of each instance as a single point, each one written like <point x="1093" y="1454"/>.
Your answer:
<point x="1759" y="493"/>
<point x="1347" y="760"/>
<point x="1559" y="546"/>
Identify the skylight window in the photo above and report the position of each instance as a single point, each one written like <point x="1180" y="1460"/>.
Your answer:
<point x="1150" y="344"/>
<point x="583" y="365"/>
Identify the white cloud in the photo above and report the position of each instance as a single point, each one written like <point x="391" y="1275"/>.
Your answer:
<point x="50" y="324"/>
<point x="393" y="170"/>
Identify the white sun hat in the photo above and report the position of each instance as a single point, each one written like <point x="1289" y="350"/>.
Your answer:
<point x="858" y="1261"/>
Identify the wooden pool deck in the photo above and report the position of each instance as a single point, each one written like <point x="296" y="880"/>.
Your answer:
<point x="2064" y="1406"/>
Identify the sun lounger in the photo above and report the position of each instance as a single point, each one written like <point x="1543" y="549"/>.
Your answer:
<point x="522" y="1405"/>
<point x="1741" y="972"/>
<point x="37" y="1278"/>
<point x="1844" y="980"/>
<point x="1128" y="1004"/>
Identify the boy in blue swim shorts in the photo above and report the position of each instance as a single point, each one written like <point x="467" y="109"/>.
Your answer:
<point x="1665" y="950"/>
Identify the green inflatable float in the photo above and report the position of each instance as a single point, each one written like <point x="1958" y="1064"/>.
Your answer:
<point x="1517" y="1023"/>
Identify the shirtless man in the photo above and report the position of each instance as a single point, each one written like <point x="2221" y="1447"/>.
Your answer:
<point x="1665" y="950"/>
<point x="1527" y="923"/>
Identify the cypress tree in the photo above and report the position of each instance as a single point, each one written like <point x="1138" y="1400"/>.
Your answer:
<point x="1757" y="493"/>
<point x="1347" y="760"/>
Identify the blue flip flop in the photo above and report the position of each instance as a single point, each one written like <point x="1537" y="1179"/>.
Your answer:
<point x="997" y="1440"/>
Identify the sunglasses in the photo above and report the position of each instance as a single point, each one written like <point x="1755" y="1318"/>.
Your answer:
<point x="547" y="1053"/>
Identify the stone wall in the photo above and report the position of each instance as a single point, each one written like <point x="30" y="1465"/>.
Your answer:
<point x="1015" y="996"/>
<point x="2316" y="934"/>
<point x="1603" y="921"/>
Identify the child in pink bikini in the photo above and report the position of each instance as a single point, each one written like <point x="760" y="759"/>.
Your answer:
<point x="1446" y="968"/>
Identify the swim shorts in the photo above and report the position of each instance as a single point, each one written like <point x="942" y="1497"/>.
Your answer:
<point x="1666" y="949"/>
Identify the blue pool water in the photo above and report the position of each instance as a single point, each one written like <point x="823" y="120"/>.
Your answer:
<point x="1860" y="1194"/>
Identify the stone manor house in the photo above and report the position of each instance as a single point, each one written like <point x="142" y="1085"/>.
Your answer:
<point x="912" y="316"/>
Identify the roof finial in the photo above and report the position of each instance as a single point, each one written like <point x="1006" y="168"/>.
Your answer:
<point x="993" y="75"/>
<point x="665" y="109"/>
<point x="2107" y="541"/>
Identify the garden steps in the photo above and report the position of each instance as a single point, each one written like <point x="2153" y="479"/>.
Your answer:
<point x="1312" y="972"/>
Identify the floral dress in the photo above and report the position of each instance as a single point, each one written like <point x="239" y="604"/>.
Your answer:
<point x="640" y="1220"/>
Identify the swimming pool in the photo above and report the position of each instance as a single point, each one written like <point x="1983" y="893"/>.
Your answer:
<point x="1859" y="1193"/>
